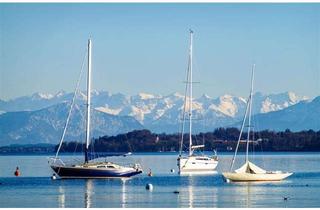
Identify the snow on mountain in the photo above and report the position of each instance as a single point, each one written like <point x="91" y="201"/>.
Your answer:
<point x="108" y="110"/>
<point x="39" y="96"/>
<point x="229" y="105"/>
<point x="145" y="96"/>
<point x="46" y="125"/>
<point x="60" y="94"/>
<point x="275" y="102"/>
<point x="303" y="115"/>
<point x="162" y="113"/>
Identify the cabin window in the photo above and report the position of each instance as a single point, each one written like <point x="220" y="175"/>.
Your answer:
<point x="110" y="166"/>
<point x="202" y="159"/>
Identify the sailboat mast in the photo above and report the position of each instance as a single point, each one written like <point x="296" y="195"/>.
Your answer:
<point x="88" y="103"/>
<point x="190" y="96"/>
<point x="250" y="111"/>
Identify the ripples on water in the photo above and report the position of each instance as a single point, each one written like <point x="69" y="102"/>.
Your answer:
<point x="35" y="188"/>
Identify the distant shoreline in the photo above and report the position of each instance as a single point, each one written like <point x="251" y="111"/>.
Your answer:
<point x="242" y="153"/>
<point x="144" y="141"/>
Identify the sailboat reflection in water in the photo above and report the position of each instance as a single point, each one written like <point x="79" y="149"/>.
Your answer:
<point x="89" y="168"/>
<point x="88" y="193"/>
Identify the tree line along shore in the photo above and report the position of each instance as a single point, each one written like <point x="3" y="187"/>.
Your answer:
<point x="221" y="139"/>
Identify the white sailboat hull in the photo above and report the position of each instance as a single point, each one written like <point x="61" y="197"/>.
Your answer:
<point x="197" y="164"/>
<point x="249" y="177"/>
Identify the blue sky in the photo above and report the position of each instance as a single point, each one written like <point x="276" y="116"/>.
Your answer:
<point x="143" y="47"/>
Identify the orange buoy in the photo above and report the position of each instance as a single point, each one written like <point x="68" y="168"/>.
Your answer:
<point x="17" y="172"/>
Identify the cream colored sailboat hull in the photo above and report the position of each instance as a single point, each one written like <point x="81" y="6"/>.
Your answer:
<point x="248" y="177"/>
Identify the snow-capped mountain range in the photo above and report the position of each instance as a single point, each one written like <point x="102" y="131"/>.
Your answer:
<point x="40" y="118"/>
<point x="157" y="111"/>
<point x="145" y="107"/>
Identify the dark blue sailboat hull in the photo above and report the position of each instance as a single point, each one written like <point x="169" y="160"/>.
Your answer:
<point x="75" y="172"/>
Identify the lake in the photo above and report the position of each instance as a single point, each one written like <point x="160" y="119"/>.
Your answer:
<point x="35" y="188"/>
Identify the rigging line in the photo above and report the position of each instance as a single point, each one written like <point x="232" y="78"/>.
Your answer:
<point x="256" y="122"/>
<point x="250" y="110"/>
<point x="196" y="68"/>
<point x="184" y="107"/>
<point x="203" y="142"/>
<point x="75" y="149"/>
<point x="128" y="142"/>
<point x="254" y="142"/>
<point x="72" y="104"/>
<point x="82" y="128"/>
<point x="241" y="131"/>
<point x="190" y="94"/>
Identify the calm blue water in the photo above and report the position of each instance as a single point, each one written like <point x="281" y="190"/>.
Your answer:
<point x="35" y="188"/>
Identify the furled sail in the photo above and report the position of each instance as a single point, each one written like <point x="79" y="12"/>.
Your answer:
<point x="251" y="168"/>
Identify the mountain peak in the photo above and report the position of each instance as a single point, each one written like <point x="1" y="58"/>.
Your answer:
<point x="226" y="97"/>
<point x="95" y="92"/>
<point x="292" y="96"/>
<point x="37" y="96"/>
<point x="60" y="93"/>
<point x="145" y="96"/>
<point x="205" y="96"/>
<point x="176" y="94"/>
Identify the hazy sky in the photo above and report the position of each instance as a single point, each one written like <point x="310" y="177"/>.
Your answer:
<point x="143" y="47"/>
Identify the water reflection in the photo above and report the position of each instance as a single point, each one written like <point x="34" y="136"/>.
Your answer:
<point x="248" y="200"/>
<point x="186" y="196"/>
<point x="88" y="193"/>
<point x="61" y="197"/>
<point x="190" y="191"/>
<point x="253" y="194"/>
<point x="123" y="193"/>
<point x="196" y="193"/>
<point x="242" y="192"/>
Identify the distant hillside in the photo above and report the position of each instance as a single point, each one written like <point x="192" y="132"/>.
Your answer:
<point x="302" y="116"/>
<point x="221" y="139"/>
<point x="33" y="149"/>
<point x="46" y="125"/>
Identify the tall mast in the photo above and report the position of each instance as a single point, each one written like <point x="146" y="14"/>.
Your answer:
<point x="190" y="95"/>
<point x="88" y="103"/>
<point x="250" y="110"/>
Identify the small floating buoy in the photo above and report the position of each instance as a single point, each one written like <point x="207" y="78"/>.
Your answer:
<point x="172" y="170"/>
<point x="149" y="187"/>
<point x="53" y="177"/>
<point x="285" y="198"/>
<point x="176" y="192"/>
<point x="17" y="172"/>
<point x="150" y="172"/>
<point x="307" y="185"/>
